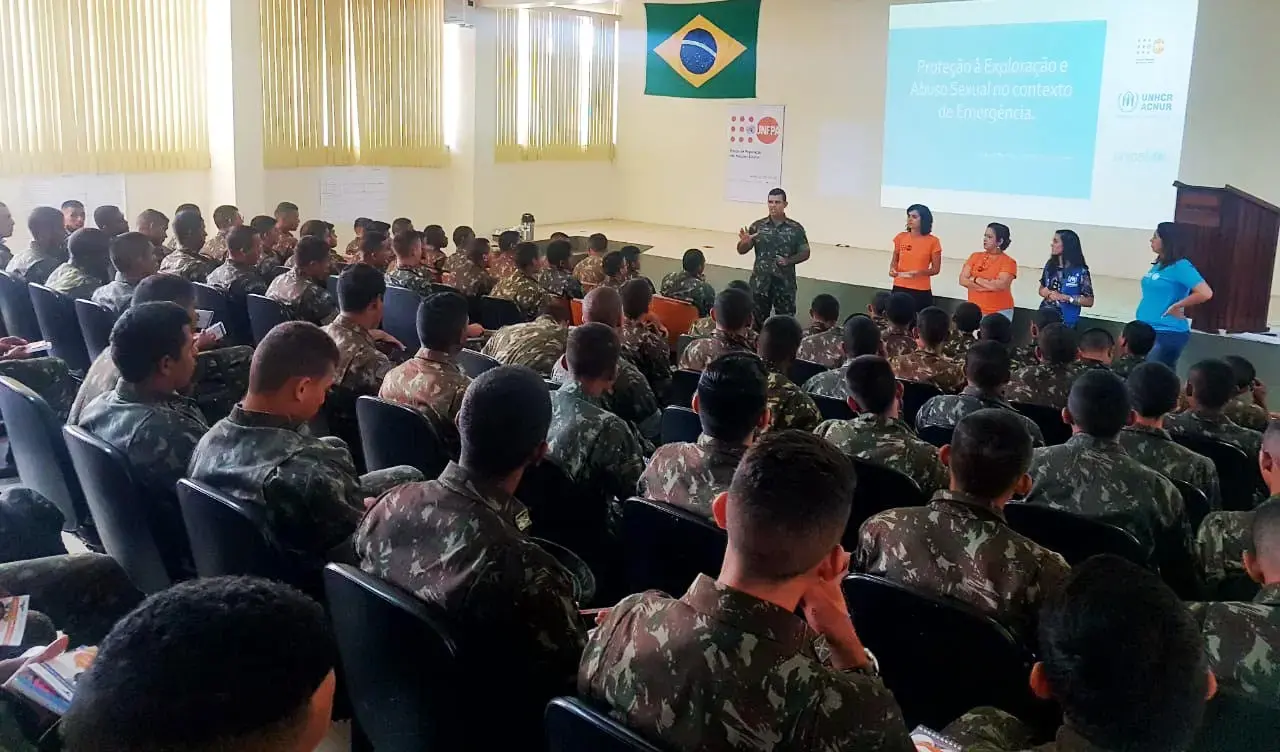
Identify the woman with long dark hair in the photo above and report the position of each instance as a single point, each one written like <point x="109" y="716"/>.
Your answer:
<point x="1171" y="286"/>
<point x="917" y="256"/>
<point x="1065" y="283"/>
<point x="988" y="274"/>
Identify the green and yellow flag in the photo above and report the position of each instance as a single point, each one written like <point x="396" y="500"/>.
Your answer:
<point x="702" y="50"/>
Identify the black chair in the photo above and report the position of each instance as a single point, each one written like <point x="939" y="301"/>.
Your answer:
<point x="575" y="517"/>
<point x="332" y="285"/>
<point x="1195" y="501"/>
<point x="393" y="434"/>
<point x="228" y="536"/>
<point x="95" y="321"/>
<point x="473" y="363"/>
<point x="938" y="656"/>
<point x="914" y="395"/>
<point x="684" y="384"/>
<point x="496" y="313"/>
<point x="803" y="370"/>
<point x="552" y="385"/>
<point x="400" y="316"/>
<point x="56" y="314"/>
<point x="939" y="436"/>
<point x="879" y="489"/>
<point x="1049" y="419"/>
<point x="234" y="317"/>
<point x="832" y="408"/>
<point x="264" y="315"/>
<point x="440" y="287"/>
<point x="40" y="454"/>
<point x="1238" y="475"/>
<point x="15" y="307"/>
<point x="399" y="663"/>
<point x="680" y="424"/>
<point x="123" y="515"/>
<point x="665" y="547"/>
<point x="1072" y="535"/>
<point x="574" y="726"/>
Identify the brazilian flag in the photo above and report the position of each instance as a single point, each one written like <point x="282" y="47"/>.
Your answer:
<point x="702" y="50"/>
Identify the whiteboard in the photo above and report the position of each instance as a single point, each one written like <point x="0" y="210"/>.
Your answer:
<point x="350" y="192"/>
<point x="91" y="190"/>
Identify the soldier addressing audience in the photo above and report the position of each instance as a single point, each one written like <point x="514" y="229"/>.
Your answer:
<point x="779" y="244"/>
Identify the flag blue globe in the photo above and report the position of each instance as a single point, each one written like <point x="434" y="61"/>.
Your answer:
<point x="698" y="51"/>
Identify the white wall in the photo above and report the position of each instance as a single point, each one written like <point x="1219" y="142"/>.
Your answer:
<point x="825" y="60"/>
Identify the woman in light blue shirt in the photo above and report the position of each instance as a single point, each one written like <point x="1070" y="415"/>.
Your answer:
<point x="1168" y="289"/>
<point x="1065" y="283"/>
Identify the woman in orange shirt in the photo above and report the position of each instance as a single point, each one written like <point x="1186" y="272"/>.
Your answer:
<point x="917" y="256"/>
<point x="989" y="275"/>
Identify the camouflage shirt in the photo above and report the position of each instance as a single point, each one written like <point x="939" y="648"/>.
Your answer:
<point x="890" y="443"/>
<point x="1125" y="364"/>
<point x="682" y="285"/>
<point x="189" y="266"/>
<point x="417" y="279"/>
<point x="646" y="345"/>
<point x="930" y="368"/>
<point x="898" y="342"/>
<point x="237" y="281"/>
<point x="690" y="476"/>
<point x="221" y="380"/>
<point x="305" y="299"/>
<point x="537" y="344"/>
<point x="994" y="730"/>
<point x="775" y="240"/>
<point x="595" y="447"/>
<point x="361" y="365"/>
<point x="1221" y="541"/>
<point x="215" y="247"/>
<point x="560" y="283"/>
<point x="1023" y="357"/>
<point x="48" y="377"/>
<point x="36" y="264"/>
<point x="1243" y="411"/>
<point x="472" y="280"/>
<point x="590" y="270"/>
<point x="501" y="265"/>
<point x="825" y="348"/>
<point x="524" y="291"/>
<point x="1197" y="422"/>
<point x="719" y="670"/>
<point x="116" y="295"/>
<point x="961" y="548"/>
<point x="630" y="398"/>
<point x="453" y="259"/>
<point x="72" y="281"/>
<point x="1154" y="448"/>
<point x="789" y="406"/>
<point x="829" y="384"/>
<point x="431" y="383"/>
<point x="1243" y="644"/>
<point x="699" y="354"/>
<point x="947" y="410"/>
<point x="957" y="345"/>
<point x="1046" y="384"/>
<point x="704" y="327"/>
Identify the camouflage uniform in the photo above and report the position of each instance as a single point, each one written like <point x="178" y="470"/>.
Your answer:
<point x="1125" y="364"/>
<point x="537" y="344"/>
<point x="351" y="254"/>
<point x="825" y="348"/>
<point x="48" y="377"/>
<point x="630" y="398"/>
<point x="829" y="384"/>
<point x="281" y="253"/>
<point x="699" y="354"/>
<point x="682" y="285"/>
<point x="961" y="548"/>
<point x="994" y="730"/>
<point x="1197" y="422"/>
<point x="703" y="327"/>
<point x="72" y="281"/>
<point x="432" y="264"/>
<point x="957" y="345"/>
<point x="36" y="264"/>
<point x="898" y="342"/>
<point x="221" y="380"/>
<point x="502" y="265"/>
<point x="889" y="443"/>
<point x="307" y="300"/>
<point x="183" y="263"/>
<point x="1154" y="448"/>
<point x="455" y="258"/>
<point x="1023" y="357"/>
<point x="116" y="295"/>
<point x="361" y="365"/>
<point x="1243" y="644"/>
<point x="215" y="248"/>
<point x="773" y="287"/>
<point x="1047" y="384"/>
<point x="721" y="670"/>
<point x="948" y="409"/>
<point x="83" y="594"/>
<point x="930" y="368"/>
<point x="307" y="486"/>
<point x="615" y="281"/>
<point x="646" y="345"/>
<point x="789" y="406"/>
<point x="418" y="279"/>
<point x="1244" y="412"/>
<point x="524" y="291"/>
<point x="472" y="280"/>
<point x="433" y="384"/>
<point x="590" y="270"/>
<point x="1221" y="541"/>
<point x="560" y="283"/>
<point x="690" y="476"/>
<point x="595" y="447"/>
<point x="237" y="281"/>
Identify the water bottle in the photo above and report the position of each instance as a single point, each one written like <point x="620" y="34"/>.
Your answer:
<point x="526" y="227"/>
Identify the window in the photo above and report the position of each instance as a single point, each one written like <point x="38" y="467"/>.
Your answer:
<point x="353" y="82"/>
<point x="557" y="77"/>
<point x="102" y="86"/>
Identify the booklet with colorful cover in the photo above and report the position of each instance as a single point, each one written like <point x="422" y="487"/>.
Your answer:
<point x="52" y="683"/>
<point x="13" y="619"/>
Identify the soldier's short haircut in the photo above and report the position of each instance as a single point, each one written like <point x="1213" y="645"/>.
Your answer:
<point x="462" y="235"/>
<point x="435" y="236"/>
<point x="779" y="193"/>
<point x="612" y="264"/>
<point x="1212" y="383"/>
<point x="997" y="328"/>
<point x="165" y="288"/>
<point x="598" y="242"/>
<point x="285" y="207"/>
<point x="526" y="255"/>
<point x="789" y="503"/>
<point x="1244" y="371"/>
<point x="478" y="249"/>
<point x="71" y="203"/>
<point x="732" y="395"/>
<point x="1139" y="337"/>
<point x="1048" y="315"/>
<point x="968" y="317"/>
<point x="631" y="254"/>
<point x="780" y="339"/>
<point x="880" y="302"/>
<point x="292" y="350"/>
<point x="933" y="326"/>
<point x="986" y="365"/>
<point x="359" y="286"/>
<point x="151" y="218"/>
<point x="739" y="284"/>
<point x="733" y="309"/>
<point x="361" y="223"/>
<point x="593" y="351"/>
<point x="1058" y="344"/>
<point x="152" y="655"/>
<point x="403" y="243"/>
<point x="1264" y="533"/>
<point x="1099" y="403"/>
<point x="44" y="220"/>
<point x="1096" y="340"/>
<point x="1124" y="658"/>
<point x="442" y="317"/>
<point x="311" y="249"/>
<point x="262" y="224"/>
<point x="104" y="214"/>
<point x="1153" y="389"/>
<point x="315" y="228"/>
<point x="603" y="305"/>
<point x="901" y="310"/>
<point x="146" y="334"/>
<point x="558" y="252"/>
<point x="636" y="297"/>
<point x="508" y="240"/>
<point x="372" y="241"/>
<point x="380" y="226"/>
<point x="129" y="249"/>
<point x="186" y="224"/>
<point x="990" y="450"/>
<point x="241" y="238"/>
<point x="186" y="207"/>
<point x="404" y="224"/>
<point x="224" y="215"/>
<point x="825" y="307"/>
<point x="861" y="336"/>
<point x="694" y="261"/>
<point x="87" y="245"/>
<point x="871" y="382"/>
<point x="504" y="417"/>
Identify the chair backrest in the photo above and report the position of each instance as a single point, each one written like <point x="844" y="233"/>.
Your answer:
<point x="1195" y="501"/>
<point x="15" y="307"/>
<point x="803" y="370"/>
<point x="914" y="395"/>
<point x="331" y="284"/>
<point x="1072" y="535"/>
<point x="95" y="321"/>
<point x="473" y="363"/>
<point x="57" y="316"/>
<point x="1049" y="419"/>
<point x="684" y="384"/>
<point x="400" y="316"/>
<point x="939" y="436"/>
<point x="680" y="424"/>
<point x="574" y="726"/>
<point x="264" y="315"/>
<point x="665" y="548"/>
<point x="496" y="313"/>
<point x="676" y="315"/>
<point x="575" y="311"/>
<point x="938" y="656"/>
<point x="1238" y="475"/>
<point x="879" y="488"/>
<point x="400" y="664"/>
<point x="565" y="512"/>
<point x="40" y="452"/>
<point x="441" y="287"/>
<point x="393" y="434"/>
<point x="228" y="536"/>
<point x="234" y="317"/>
<point x="119" y="510"/>
<point x="832" y="408"/>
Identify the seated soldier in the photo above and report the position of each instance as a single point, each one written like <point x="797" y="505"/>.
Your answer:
<point x="362" y="365"/>
<point x="644" y="340"/>
<point x="134" y="258"/>
<point x="471" y="275"/>
<point x="185" y="260"/>
<point x="1248" y="408"/>
<point x="431" y="381"/>
<point x="706" y="326"/>
<point x="463" y="236"/>
<point x="352" y="251"/>
<point x="964" y="332"/>
<point x="899" y="336"/>
<point x="960" y="546"/>
<point x="878" y="434"/>
<point x="435" y="244"/>
<point x="154" y="225"/>
<point x="1123" y="658"/>
<point x="986" y="371"/>
<point x="460" y="542"/>
<point x="110" y="220"/>
<point x="48" y="249"/>
<point x="287" y="221"/>
<point x="821" y="343"/>
<point x="88" y="266"/>
<point x="785" y="513"/>
<point x="859" y="336"/>
<point x="1049" y="383"/>
<point x="1223" y="537"/>
<point x="1153" y="393"/>
<point x="411" y="272"/>
<point x="537" y="344"/>
<point x="997" y="328"/>
<point x="614" y="267"/>
<point x="325" y="233"/>
<point x="521" y="287"/>
<point x="171" y="244"/>
<point x="239" y="276"/>
<point x="302" y="289"/>
<point x="1096" y="348"/>
<point x="733" y="319"/>
<point x="690" y="284"/>
<point x="226" y="218"/>
<point x="877" y="309"/>
<point x="1210" y="386"/>
<point x="631" y="267"/>
<point x="166" y="677"/>
<point x="590" y="270"/>
<point x="264" y="452"/>
<point x="375" y="249"/>
<point x="557" y="279"/>
<point x="927" y="364"/>
<point x="502" y="264"/>
<point x="1136" y="340"/>
<point x="265" y="227"/>
<point x="730" y="403"/>
<point x="404" y="224"/>
<point x="789" y="406"/>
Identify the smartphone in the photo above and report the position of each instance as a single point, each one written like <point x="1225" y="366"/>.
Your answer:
<point x="40" y="346"/>
<point x="203" y="318"/>
<point x="217" y="331"/>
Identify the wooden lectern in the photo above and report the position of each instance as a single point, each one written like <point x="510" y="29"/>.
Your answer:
<point x="1232" y="239"/>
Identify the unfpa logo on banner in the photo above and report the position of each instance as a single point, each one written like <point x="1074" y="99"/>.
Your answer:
<point x="699" y="51"/>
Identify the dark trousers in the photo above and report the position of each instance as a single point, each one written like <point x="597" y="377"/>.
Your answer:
<point x="923" y="298"/>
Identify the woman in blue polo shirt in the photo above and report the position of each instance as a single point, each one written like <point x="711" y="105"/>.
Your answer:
<point x="1065" y="283"/>
<point x="1172" y="285"/>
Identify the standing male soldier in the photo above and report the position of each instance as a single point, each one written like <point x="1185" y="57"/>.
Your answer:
<point x="780" y="243"/>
